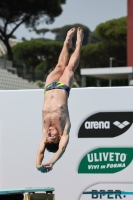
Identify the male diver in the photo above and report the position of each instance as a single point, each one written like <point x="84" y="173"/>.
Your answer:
<point x="55" y="115"/>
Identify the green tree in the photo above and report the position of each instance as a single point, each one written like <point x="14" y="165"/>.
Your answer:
<point x="42" y="31"/>
<point x="93" y="38"/>
<point x="31" y="12"/>
<point x="40" y="57"/>
<point x="113" y="30"/>
<point x="94" y="55"/>
<point x="60" y="33"/>
<point x="40" y="70"/>
<point x="113" y="35"/>
<point x="112" y="43"/>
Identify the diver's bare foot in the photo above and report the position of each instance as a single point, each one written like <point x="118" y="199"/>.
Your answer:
<point x="68" y="40"/>
<point x="80" y="36"/>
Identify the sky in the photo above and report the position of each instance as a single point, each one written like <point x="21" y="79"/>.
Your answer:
<point x="87" y="12"/>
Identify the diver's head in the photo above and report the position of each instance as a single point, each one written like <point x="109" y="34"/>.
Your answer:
<point x="52" y="139"/>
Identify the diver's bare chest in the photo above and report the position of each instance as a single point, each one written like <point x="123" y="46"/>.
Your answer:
<point x="54" y="116"/>
<point x="55" y="120"/>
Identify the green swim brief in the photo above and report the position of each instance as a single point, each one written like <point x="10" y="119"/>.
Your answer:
<point x="57" y="85"/>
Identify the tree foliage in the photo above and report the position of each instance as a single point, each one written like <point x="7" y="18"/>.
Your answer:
<point x="93" y="38"/>
<point x="60" y="33"/>
<point x="113" y="31"/>
<point x="40" y="57"/>
<point x="108" y="40"/>
<point x="112" y="36"/>
<point x="94" y="56"/>
<point x="31" y="12"/>
<point x="42" y="31"/>
<point x="41" y="70"/>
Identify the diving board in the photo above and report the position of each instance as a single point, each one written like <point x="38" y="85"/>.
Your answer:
<point x="21" y="193"/>
<point x="26" y="190"/>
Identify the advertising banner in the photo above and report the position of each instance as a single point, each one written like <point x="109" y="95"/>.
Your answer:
<point x="106" y="160"/>
<point x="97" y="163"/>
<point x="110" y="191"/>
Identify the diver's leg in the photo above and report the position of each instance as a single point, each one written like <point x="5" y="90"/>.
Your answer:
<point x="68" y="74"/>
<point x="63" y="59"/>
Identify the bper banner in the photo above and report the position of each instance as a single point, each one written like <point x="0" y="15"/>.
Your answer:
<point x="110" y="191"/>
<point x="99" y="149"/>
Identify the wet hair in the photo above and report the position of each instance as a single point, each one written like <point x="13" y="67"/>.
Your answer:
<point x="51" y="146"/>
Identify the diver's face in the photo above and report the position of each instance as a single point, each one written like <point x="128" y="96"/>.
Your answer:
<point x="52" y="134"/>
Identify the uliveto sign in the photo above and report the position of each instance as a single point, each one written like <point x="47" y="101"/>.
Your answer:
<point x="105" y="160"/>
<point x="106" y="124"/>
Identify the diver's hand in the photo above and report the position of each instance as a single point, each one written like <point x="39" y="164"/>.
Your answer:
<point x="43" y="169"/>
<point x="48" y="165"/>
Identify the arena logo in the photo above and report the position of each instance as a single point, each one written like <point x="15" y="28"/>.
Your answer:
<point x="106" y="160"/>
<point x="97" y="125"/>
<point x="121" y="125"/>
<point x="106" y="124"/>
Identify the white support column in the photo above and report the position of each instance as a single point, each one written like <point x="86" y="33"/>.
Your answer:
<point x="83" y="81"/>
<point x="130" y="79"/>
<point x="98" y="83"/>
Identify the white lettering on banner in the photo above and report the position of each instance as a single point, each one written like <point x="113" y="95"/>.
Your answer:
<point x="123" y="157"/>
<point x="119" y="165"/>
<point x="106" y="156"/>
<point x="97" y="125"/>
<point x="93" y="166"/>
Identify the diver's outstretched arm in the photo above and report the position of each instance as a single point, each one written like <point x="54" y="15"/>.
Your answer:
<point x="62" y="146"/>
<point x="40" y="156"/>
